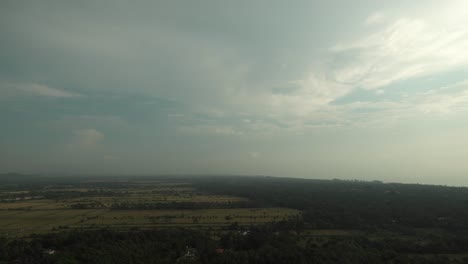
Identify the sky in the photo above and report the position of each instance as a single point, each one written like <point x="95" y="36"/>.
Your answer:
<point x="367" y="90"/>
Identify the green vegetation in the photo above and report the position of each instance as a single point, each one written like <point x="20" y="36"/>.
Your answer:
<point x="23" y="222"/>
<point x="229" y="220"/>
<point x="123" y="204"/>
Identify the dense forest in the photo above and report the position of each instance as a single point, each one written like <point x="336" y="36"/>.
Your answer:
<point x="352" y="204"/>
<point x="280" y="243"/>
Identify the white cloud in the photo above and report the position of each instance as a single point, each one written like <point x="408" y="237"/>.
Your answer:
<point x="254" y="154"/>
<point x="218" y="74"/>
<point x="397" y="49"/>
<point x="380" y="92"/>
<point x="211" y="129"/>
<point x="405" y="48"/>
<point x="375" y="18"/>
<point x="433" y="104"/>
<point x="87" y="138"/>
<point x="445" y="100"/>
<point x="44" y="90"/>
<point x="97" y="121"/>
<point x="444" y="104"/>
<point x="314" y="93"/>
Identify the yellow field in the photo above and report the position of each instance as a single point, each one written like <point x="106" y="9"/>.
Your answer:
<point x="41" y="204"/>
<point x="14" y="223"/>
<point x="23" y="213"/>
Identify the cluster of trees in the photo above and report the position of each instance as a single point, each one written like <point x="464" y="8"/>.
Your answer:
<point x="105" y="246"/>
<point x="162" y="205"/>
<point x="180" y="205"/>
<point x="88" y="205"/>
<point x="352" y="204"/>
<point x="71" y="194"/>
<point x="275" y="243"/>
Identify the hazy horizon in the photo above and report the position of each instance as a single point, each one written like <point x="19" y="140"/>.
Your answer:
<point x="360" y="90"/>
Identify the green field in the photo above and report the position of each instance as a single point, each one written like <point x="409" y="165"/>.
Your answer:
<point x="19" y="222"/>
<point x="124" y="205"/>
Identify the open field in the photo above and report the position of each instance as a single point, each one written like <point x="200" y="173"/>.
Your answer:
<point x="42" y="204"/>
<point x="124" y="205"/>
<point x="14" y="223"/>
<point x="112" y="194"/>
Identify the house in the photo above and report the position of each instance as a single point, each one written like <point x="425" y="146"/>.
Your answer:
<point x="50" y="252"/>
<point x="190" y="252"/>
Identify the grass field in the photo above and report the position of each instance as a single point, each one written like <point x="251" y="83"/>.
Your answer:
<point x="17" y="223"/>
<point x="53" y="207"/>
<point x="58" y="197"/>
<point x="42" y="204"/>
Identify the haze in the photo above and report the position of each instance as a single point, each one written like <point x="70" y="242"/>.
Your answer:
<point x="366" y="90"/>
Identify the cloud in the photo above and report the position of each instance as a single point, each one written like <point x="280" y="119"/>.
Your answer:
<point x="97" y="121"/>
<point x="43" y="90"/>
<point x="375" y="18"/>
<point x="444" y="103"/>
<point x="395" y="49"/>
<point x="404" y="48"/>
<point x="86" y="138"/>
<point x="380" y="92"/>
<point x="254" y="154"/>
<point x="221" y="130"/>
<point x="111" y="158"/>
<point x="445" y="100"/>
<point x="287" y="76"/>
<point x="315" y="92"/>
<point x="433" y="104"/>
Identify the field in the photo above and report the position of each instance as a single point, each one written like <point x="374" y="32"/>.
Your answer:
<point x="39" y="221"/>
<point x="230" y="218"/>
<point x="125" y="205"/>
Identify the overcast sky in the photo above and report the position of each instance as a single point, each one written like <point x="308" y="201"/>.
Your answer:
<point x="369" y="90"/>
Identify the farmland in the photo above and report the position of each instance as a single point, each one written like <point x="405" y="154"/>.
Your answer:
<point x="123" y="205"/>
<point x="21" y="222"/>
